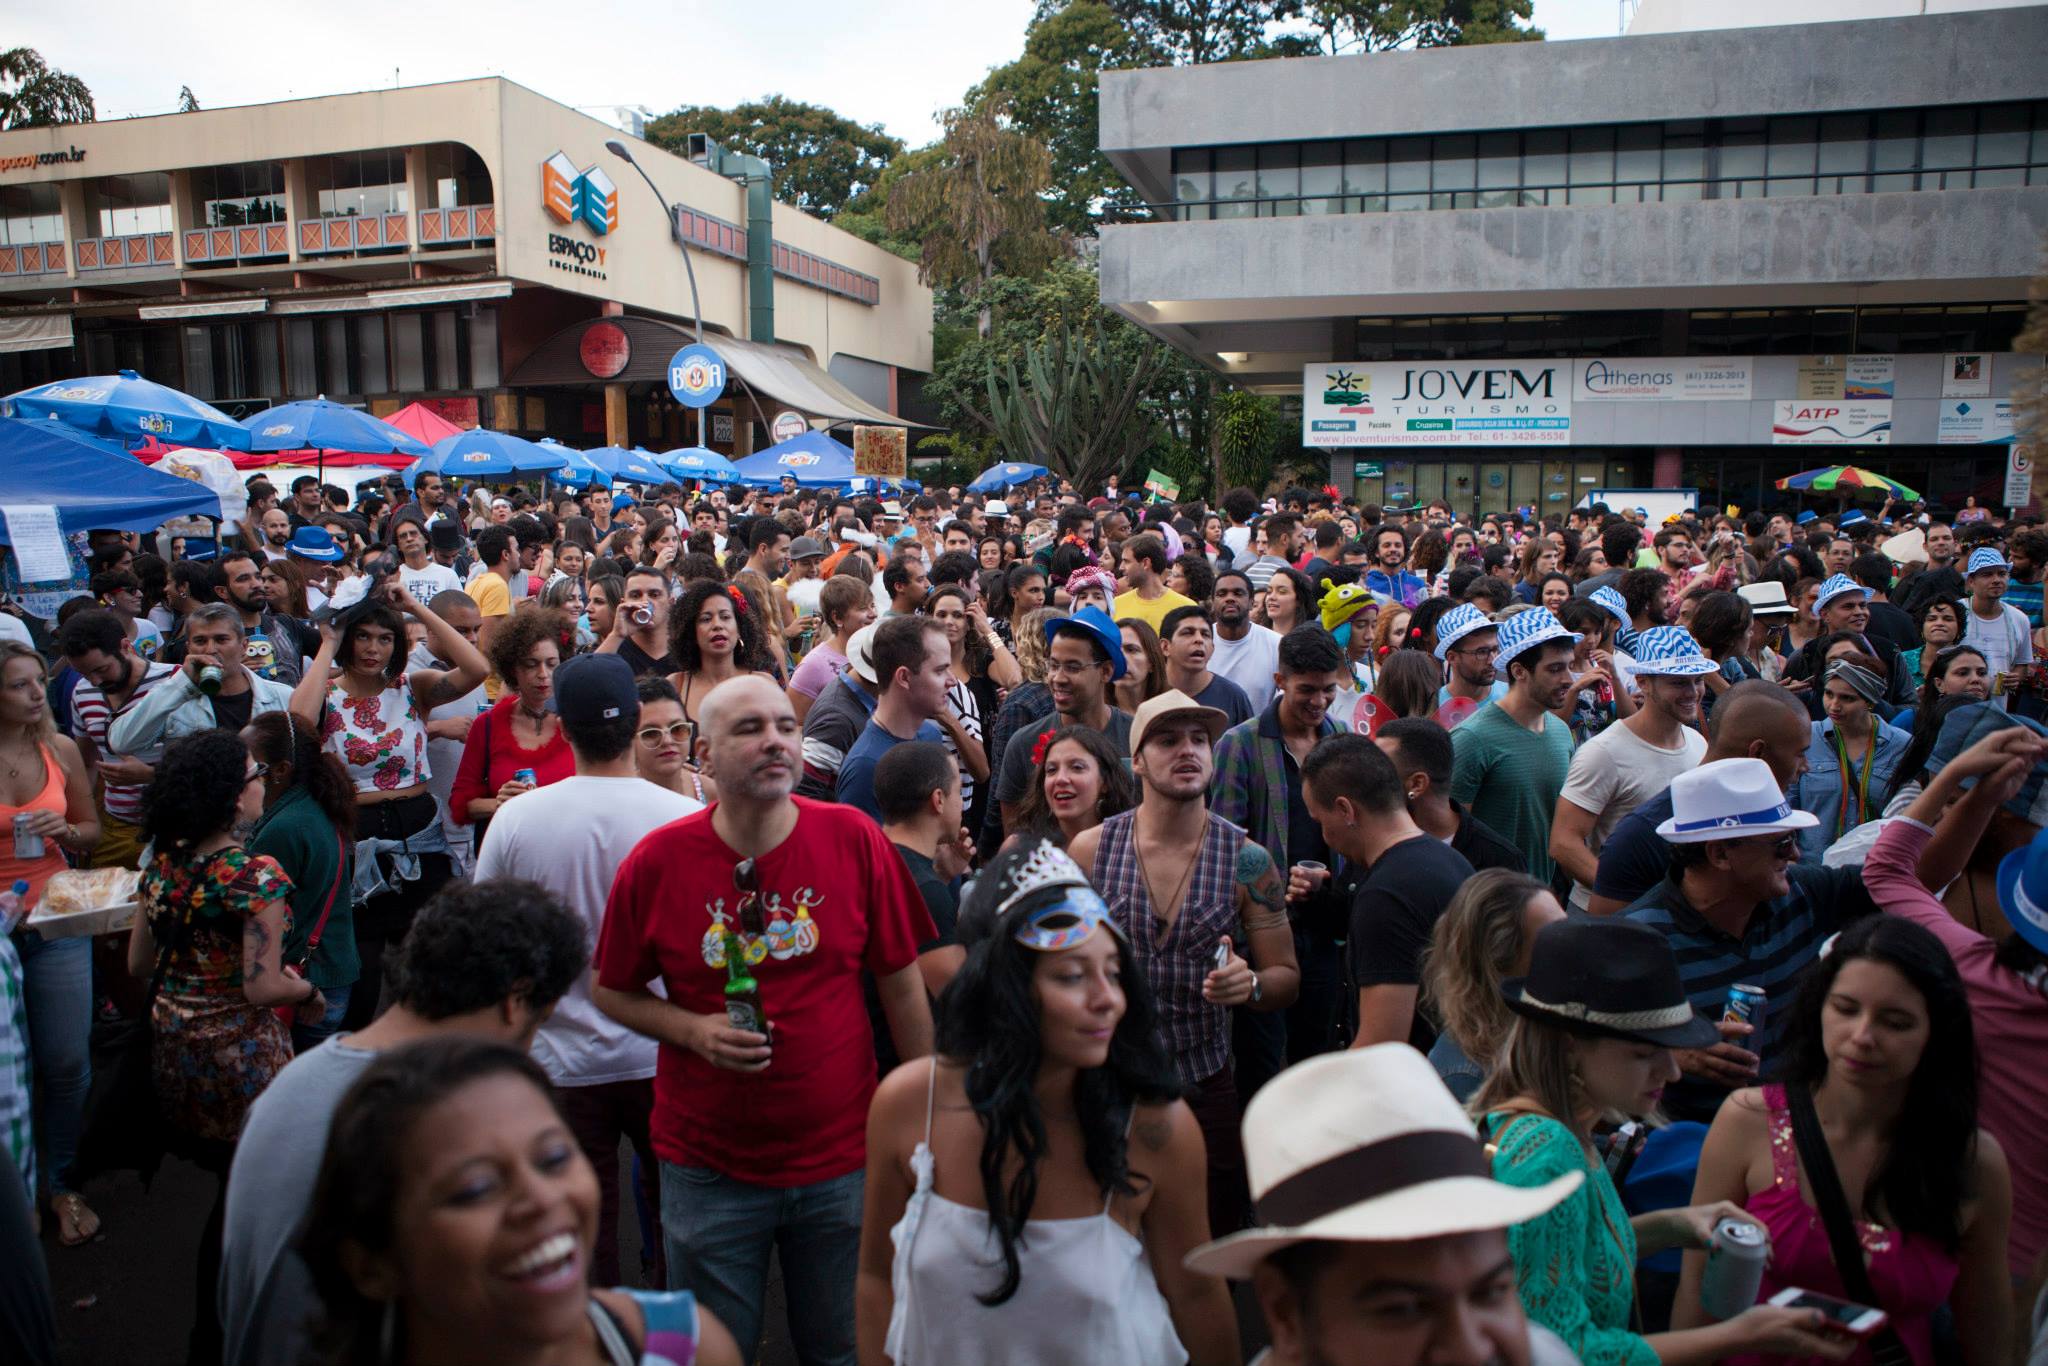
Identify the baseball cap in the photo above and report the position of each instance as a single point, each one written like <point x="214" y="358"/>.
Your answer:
<point x="593" y="688"/>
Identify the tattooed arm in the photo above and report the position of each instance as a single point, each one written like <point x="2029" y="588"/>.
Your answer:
<point x="1269" y="940"/>
<point x="264" y="982"/>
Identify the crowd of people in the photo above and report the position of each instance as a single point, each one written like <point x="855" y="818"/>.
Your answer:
<point x="1041" y="928"/>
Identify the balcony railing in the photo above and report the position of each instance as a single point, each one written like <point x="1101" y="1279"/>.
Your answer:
<point x="460" y="226"/>
<point x="132" y="252"/>
<point x="32" y="258"/>
<point x="354" y="232"/>
<point x="238" y="243"/>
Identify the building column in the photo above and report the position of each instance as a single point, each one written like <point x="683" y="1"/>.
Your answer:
<point x="1665" y="472"/>
<point x="299" y="204"/>
<point x="184" y="214"/>
<point x="71" y="208"/>
<point x="616" y="431"/>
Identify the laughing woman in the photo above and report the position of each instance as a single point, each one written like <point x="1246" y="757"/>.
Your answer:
<point x="452" y="1224"/>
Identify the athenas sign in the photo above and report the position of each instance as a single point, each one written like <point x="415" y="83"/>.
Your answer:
<point x="1512" y="403"/>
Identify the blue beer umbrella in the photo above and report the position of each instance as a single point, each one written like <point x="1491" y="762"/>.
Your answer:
<point x="699" y="462"/>
<point x="814" y="459"/>
<point x="93" y="484"/>
<point x="127" y="407"/>
<point x="484" y="454"/>
<point x="634" y="465"/>
<point x="581" y="472"/>
<point x="315" y="424"/>
<point x="998" y="478"/>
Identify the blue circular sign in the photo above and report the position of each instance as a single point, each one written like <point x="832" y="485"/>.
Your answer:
<point x="696" y="376"/>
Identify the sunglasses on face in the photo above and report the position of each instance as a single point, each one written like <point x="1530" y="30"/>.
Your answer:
<point x="654" y="735"/>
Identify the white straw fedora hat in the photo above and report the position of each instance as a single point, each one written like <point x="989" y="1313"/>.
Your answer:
<point x="1365" y="1146"/>
<point x="1730" y="799"/>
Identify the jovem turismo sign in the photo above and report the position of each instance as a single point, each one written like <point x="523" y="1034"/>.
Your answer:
<point x="1516" y="403"/>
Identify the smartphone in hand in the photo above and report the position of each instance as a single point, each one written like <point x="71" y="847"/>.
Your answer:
<point x="1857" y="1319"/>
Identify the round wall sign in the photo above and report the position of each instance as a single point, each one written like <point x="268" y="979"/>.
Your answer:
<point x="788" y="425"/>
<point x="696" y="376"/>
<point x="604" y="349"/>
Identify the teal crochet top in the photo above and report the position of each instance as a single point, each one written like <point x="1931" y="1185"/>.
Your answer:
<point x="1576" y="1264"/>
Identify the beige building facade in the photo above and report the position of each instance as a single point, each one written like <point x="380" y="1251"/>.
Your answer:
<point x="472" y="245"/>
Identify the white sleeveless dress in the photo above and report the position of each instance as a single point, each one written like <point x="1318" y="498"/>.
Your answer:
<point x="1086" y="1294"/>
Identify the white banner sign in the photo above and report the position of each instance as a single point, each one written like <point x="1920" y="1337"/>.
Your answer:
<point x="1812" y="422"/>
<point x="1519" y="403"/>
<point x="37" y="542"/>
<point x="1661" y="377"/>
<point x="1974" y="422"/>
<point x="1966" y="375"/>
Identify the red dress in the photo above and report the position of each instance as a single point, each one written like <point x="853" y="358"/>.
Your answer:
<point x="491" y="755"/>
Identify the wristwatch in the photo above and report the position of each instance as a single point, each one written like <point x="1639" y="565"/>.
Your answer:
<point x="1255" y="988"/>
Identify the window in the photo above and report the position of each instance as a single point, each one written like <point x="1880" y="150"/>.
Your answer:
<point x="1451" y="173"/>
<point x="359" y="183"/>
<point x="30" y="213"/>
<point x="1365" y="174"/>
<point x="1280" y="181"/>
<point x="1408" y="173"/>
<point x="1235" y="179"/>
<point x="1843" y="154"/>
<point x="125" y="205"/>
<point x="1191" y="184"/>
<point x="1591" y="166"/>
<point x="456" y="177"/>
<point x="1499" y="169"/>
<point x="230" y="196"/>
<point x="1322" y="177"/>
<point x="1543" y="152"/>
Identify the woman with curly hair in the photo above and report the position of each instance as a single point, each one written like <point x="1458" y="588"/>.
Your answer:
<point x="1081" y="782"/>
<point x="207" y="939"/>
<point x="517" y="745"/>
<point x="714" y="634"/>
<point x="371" y="713"/>
<point x="1046" y="1124"/>
<point x="760" y="595"/>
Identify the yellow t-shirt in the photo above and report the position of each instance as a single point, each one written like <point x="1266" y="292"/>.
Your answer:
<point x="1152" y="612"/>
<point x="493" y="599"/>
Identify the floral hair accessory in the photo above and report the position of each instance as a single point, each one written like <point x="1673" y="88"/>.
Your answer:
<point x="1038" y="750"/>
<point x="739" y="599"/>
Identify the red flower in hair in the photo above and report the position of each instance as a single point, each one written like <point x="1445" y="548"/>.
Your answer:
<point x="739" y="599"/>
<point x="1038" y="750"/>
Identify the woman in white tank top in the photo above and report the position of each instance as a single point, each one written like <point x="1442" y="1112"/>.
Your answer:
<point x="1033" y="1188"/>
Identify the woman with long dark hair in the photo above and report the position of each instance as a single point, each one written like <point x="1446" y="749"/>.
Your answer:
<point x="1721" y="625"/>
<point x="1957" y="671"/>
<point x="1081" y="782"/>
<point x="1047" y="1123"/>
<point x="452" y="1224"/>
<point x="1882" y="1049"/>
<point x="1289" y="600"/>
<point x="308" y="825"/>
<point x="1145" y="672"/>
<point x="1941" y="625"/>
<point x="713" y="635"/>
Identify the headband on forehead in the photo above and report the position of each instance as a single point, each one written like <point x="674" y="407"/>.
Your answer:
<point x="1866" y="684"/>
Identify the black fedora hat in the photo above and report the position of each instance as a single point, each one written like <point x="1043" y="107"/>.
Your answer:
<point x="1609" y="978"/>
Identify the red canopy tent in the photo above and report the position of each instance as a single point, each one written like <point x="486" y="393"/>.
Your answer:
<point x="423" y="424"/>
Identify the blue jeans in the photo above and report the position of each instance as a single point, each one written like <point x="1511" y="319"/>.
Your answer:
<point x="57" y="987"/>
<point x="718" y="1232"/>
<point x="305" y="1037"/>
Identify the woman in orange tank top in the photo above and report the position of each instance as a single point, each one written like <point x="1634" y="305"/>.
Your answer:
<point x="43" y="777"/>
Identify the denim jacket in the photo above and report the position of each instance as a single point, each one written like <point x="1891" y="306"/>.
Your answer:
<point x="1819" y="790"/>
<point x="176" y="708"/>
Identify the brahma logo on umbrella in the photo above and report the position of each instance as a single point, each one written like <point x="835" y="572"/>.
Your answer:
<point x="569" y="194"/>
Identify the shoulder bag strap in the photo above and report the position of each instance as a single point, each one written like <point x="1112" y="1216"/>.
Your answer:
<point x="612" y="1335"/>
<point x="1885" y="1347"/>
<point x="340" y="869"/>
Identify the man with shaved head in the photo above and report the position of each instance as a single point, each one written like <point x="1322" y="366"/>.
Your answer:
<point x="761" y="1133"/>
<point x="1753" y="720"/>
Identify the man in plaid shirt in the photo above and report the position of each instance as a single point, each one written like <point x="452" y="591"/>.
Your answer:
<point x="1258" y="789"/>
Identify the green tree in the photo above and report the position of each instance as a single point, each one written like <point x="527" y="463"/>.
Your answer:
<point x="821" y="160"/>
<point x="187" y="101"/>
<point x="866" y="215"/>
<point x="1052" y="93"/>
<point x="1186" y="32"/>
<point x="976" y="211"/>
<point x="1342" y="26"/>
<point x="32" y="95"/>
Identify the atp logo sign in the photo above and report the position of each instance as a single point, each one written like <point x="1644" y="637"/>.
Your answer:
<point x="569" y="194"/>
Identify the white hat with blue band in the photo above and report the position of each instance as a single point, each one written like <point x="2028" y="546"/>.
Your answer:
<point x="1730" y="799"/>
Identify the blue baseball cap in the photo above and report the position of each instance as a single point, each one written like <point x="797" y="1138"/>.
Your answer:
<point x="622" y="500"/>
<point x="1096" y="623"/>
<point x="2023" y="891"/>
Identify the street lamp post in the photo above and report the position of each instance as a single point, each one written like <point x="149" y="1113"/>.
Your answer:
<point x="675" y="231"/>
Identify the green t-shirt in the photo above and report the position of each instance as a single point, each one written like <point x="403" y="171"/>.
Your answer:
<point x="1509" y="777"/>
<point x="297" y="833"/>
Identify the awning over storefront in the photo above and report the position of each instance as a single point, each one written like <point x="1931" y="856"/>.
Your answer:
<point x="35" y="332"/>
<point x="633" y="349"/>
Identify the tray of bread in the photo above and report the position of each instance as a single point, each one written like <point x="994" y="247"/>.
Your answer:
<point x="80" y="902"/>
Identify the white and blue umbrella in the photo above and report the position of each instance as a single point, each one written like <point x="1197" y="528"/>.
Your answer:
<point x="129" y="408"/>
<point x="699" y="462"/>
<point x="999" y="478"/>
<point x="813" y="459"/>
<point x="581" y="472"/>
<point x="635" y="466"/>
<point x="484" y="454"/>
<point x="315" y="424"/>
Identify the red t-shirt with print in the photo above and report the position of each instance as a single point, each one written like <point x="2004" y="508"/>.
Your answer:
<point x="836" y="898"/>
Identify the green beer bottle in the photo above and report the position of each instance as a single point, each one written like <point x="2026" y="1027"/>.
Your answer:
<point x="742" y="993"/>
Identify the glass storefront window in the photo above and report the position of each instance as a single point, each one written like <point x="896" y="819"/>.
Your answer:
<point x="229" y="196"/>
<point x="359" y="183"/>
<point x="125" y="205"/>
<point x="30" y="213"/>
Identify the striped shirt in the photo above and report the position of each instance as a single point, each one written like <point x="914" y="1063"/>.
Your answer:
<point x="1178" y="958"/>
<point x="90" y="718"/>
<point x="1782" y="937"/>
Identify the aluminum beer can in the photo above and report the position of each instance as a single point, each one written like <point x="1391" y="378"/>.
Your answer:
<point x="1746" y="1004"/>
<point x="27" y="843"/>
<point x="1735" y="1268"/>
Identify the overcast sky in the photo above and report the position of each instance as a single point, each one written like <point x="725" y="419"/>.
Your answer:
<point x="893" y="62"/>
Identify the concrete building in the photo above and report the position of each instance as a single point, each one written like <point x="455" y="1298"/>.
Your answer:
<point x="1509" y="275"/>
<point x="470" y="244"/>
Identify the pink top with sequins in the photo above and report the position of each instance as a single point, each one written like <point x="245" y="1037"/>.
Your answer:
<point x="1911" y="1272"/>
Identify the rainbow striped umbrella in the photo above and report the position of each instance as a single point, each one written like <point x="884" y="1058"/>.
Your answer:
<point x="1846" y="478"/>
